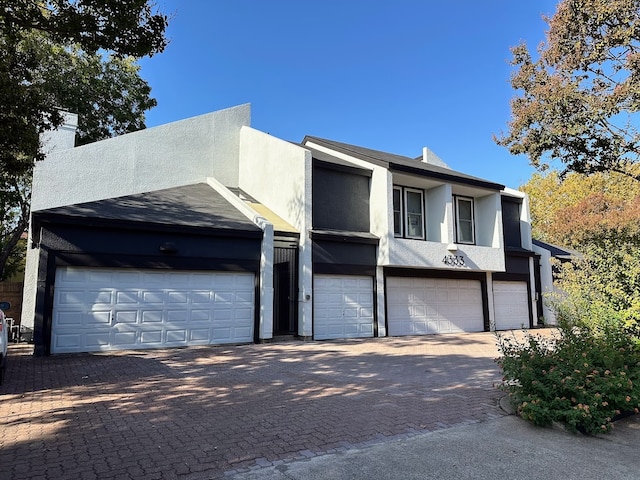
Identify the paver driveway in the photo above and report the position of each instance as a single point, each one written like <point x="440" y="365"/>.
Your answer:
<point x="202" y="411"/>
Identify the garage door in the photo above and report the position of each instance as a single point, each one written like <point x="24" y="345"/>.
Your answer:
<point x="115" y="309"/>
<point x="511" y="304"/>
<point x="343" y="307"/>
<point x="417" y="306"/>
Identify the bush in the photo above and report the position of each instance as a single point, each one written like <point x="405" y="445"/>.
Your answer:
<point x="583" y="377"/>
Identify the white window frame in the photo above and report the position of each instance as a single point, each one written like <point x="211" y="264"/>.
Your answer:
<point x="401" y="211"/>
<point x="457" y="199"/>
<point x="406" y="213"/>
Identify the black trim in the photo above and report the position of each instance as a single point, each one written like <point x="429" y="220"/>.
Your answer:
<point x="519" y="252"/>
<point x="341" y="269"/>
<point x="93" y="260"/>
<point x="433" y="273"/>
<point x="45" y="220"/>
<point x="510" y="277"/>
<point x="395" y="167"/>
<point x="344" y="236"/>
<point x="340" y="167"/>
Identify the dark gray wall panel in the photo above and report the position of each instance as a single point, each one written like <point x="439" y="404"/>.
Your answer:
<point x="328" y="252"/>
<point x="340" y="200"/>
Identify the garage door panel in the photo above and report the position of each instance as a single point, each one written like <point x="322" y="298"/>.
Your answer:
<point x="511" y="305"/>
<point x="107" y="309"/>
<point x="343" y="307"/>
<point x="419" y="306"/>
<point x="98" y="318"/>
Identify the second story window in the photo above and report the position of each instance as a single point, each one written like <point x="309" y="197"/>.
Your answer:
<point x="465" y="232"/>
<point x="408" y="213"/>
<point x="397" y="211"/>
<point x="414" y="218"/>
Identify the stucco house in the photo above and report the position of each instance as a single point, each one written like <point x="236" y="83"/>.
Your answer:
<point x="207" y="231"/>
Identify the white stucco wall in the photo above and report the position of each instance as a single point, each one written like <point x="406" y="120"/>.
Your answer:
<point x="405" y="252"/>
<point x="265" y="329"/>
<point x="62" y="138"/>
<point x="439" y="214"/>
<point x="546" y="280"/>
<point x="278" y="174"/>
<point x="488" y="212"/>
<point x="175" y="154"/>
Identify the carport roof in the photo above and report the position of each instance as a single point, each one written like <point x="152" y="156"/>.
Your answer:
<point x="188" y="207"/>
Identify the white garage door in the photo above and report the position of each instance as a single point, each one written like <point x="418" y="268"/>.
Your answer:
<point x="417" y="306"/>
<point x="511" y="305"/>
<point x="343" y="307"/>
<point x="114" y="309"/>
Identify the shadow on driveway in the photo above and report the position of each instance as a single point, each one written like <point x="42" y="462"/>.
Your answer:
<point x="198" y="412"/>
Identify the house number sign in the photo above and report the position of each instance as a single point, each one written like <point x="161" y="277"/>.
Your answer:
<point x="454" y="260"/>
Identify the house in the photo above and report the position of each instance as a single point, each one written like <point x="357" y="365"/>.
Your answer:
<point x="207" y="231"/>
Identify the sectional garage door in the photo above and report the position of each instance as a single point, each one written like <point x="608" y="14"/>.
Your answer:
<point x="417" y="306"/>
<point x="113" y="309"/>
<point x="511" y="305"/>
<point x="343" y="307"/>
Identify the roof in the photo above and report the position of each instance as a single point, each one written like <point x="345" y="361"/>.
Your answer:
<point x="338" y="163"/>
<point x="562" y="253"/>
<point x="403" y="164"/>
<point x="195" y="206"/>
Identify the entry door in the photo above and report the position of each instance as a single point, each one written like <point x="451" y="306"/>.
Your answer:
<point x="285" y="291"/>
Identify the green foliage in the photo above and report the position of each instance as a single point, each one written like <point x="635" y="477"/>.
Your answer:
<point x="578" y="100"/>
<point x="14" y="212"/>
<point x="568" y="209"/>
<point x="78" y="55"/>
<point x="127" y="27"/>
<point x="583" y="377"/>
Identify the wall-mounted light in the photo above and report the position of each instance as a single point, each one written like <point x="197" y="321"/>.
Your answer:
<point x="452" y="247"/>
<point x="168" y="248"/>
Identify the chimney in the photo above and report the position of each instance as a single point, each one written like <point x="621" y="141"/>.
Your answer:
<point x="432" y="159"/>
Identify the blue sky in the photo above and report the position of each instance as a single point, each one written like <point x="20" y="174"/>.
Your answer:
<point x="390" y="75"/>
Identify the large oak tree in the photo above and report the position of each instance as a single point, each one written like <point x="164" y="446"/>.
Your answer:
<point x="578" y="98"/>
<point x="75" y="55"/>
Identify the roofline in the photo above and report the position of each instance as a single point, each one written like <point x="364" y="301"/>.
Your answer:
<point x="43" y="218"/>
<point x="390" y="165"/>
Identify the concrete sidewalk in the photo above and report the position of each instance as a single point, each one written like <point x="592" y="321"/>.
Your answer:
<point x="503" y="448"/>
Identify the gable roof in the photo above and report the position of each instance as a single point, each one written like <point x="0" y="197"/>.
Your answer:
<point x="400" y="163"/>
<point x="191" y="207"/>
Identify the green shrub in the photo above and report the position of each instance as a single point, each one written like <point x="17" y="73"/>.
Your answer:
<point x="583" y="377"/>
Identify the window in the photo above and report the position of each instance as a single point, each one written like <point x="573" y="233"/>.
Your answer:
<point x="464" y="220"/>
<point x="408" y="212"/>
<point x="414" y="218"/>
<point x="397" y="211"/>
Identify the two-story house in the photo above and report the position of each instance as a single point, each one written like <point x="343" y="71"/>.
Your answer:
<point x="207" y="231"/>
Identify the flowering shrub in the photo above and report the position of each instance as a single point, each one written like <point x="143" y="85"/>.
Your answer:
<point x="583" y="377"/>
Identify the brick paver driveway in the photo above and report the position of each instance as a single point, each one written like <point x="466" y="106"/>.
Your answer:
<point x="200" y="412"/>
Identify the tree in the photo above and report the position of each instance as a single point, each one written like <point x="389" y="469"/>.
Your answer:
<point x="578" y="102"/>
<point x="559" y="205"/>
<point x="14" y="211"/>
<point x="75" y="55"/>
<point x="28" y="106"/>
